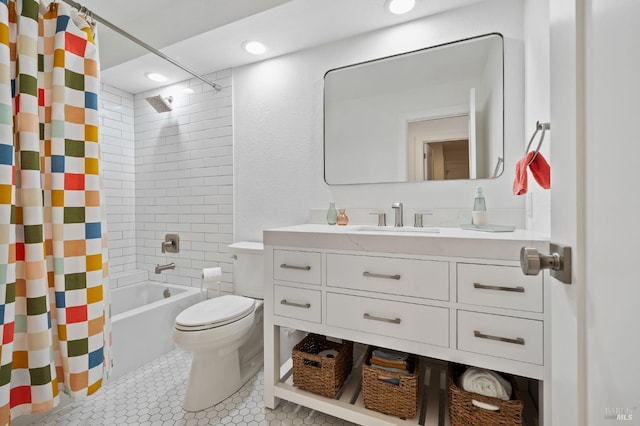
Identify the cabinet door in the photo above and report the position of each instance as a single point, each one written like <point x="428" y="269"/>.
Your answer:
<point x="499" y="286"/>
<point x="297" y="266"/>
<point x="408" y="277"/>
<point x="419" y="323"/>
<point x="502" y="336"/>
<point x="297" y="303"/>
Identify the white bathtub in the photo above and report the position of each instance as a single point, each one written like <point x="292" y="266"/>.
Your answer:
<point x="142" y="319"/>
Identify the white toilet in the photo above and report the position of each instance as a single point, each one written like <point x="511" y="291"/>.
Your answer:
<point x="225" y="334"/>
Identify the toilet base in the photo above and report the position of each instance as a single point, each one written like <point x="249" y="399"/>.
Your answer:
<point x="218" y="373"/>
<point x="212" y="378"/>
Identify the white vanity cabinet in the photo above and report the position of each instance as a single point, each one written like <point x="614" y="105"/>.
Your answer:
<point x="453" y="296"/>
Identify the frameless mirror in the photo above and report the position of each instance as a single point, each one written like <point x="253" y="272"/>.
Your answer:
<point x="431" y="114"/>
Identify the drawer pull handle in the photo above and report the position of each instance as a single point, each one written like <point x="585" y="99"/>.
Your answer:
<point x="374" y="318"/>
<point x="499" y="288"/>
<point x="297" y="305"/>
<point x="516" y="341"/>
<point x="391" y="277"/>
<point x="300" y="268"/>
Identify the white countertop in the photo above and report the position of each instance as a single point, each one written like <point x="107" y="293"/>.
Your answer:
<point x="447" y="242"/>
<point x="444" y="232"/>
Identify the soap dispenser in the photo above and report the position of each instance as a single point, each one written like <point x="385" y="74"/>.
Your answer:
<point x="479" y="213"/>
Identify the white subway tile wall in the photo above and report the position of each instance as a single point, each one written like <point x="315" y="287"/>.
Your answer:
<point x="184" y="180"/>
<point x="118" y="165"/>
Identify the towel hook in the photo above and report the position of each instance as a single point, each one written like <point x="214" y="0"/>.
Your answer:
<point x="539" y="126"/>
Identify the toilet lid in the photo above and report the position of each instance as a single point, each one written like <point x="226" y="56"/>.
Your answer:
<point x="214" y="313"/>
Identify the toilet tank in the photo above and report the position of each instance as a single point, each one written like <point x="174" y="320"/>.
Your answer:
<point x="248" y="269"/>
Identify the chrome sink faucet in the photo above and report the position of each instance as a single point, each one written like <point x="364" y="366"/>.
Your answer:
<point x="398" y="208"/>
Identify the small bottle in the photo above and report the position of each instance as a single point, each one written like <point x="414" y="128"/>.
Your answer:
<point x="342" y="218"/>
<point x="479" y="213"/>
<point x="332" y="213"/>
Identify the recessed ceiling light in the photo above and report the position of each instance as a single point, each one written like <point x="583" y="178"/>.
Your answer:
<point x="154" y="76"/>
<point x="400" y="6"/>
<point x="188" y="90"/>
<point x="254" y="47"/>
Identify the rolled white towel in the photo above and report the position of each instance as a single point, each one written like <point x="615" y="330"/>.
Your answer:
<point x="485" y="382"/>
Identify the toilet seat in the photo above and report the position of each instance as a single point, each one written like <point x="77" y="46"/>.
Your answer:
<point x="214" y="313"/>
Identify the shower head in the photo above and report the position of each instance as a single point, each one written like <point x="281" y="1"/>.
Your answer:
<point x="159" y="103"/>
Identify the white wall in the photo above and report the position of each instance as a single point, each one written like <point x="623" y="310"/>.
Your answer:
<point x="537" y="93"/>
<point x="278" y="124"/>
<point x="183" y="180"/>
<point x="117" y="147"/>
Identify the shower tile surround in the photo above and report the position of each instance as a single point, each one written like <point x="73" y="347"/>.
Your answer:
<point x="117" y="146"/>
<point x="184" y="180"/>
<point x="169" y="173"/>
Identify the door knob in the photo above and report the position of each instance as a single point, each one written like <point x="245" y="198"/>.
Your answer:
<point x="531" y="261"/>
<point x="558" y="262"/>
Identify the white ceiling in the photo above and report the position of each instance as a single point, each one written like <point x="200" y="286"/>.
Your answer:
<point x="206" y="35"/>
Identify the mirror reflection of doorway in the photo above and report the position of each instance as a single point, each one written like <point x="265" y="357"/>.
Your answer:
<point x="440" y="149"/>
<point x="443" y="160"/>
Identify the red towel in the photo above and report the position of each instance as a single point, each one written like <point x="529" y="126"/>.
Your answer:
<point x="520" y="183"/>
<point x="540" y="170"/>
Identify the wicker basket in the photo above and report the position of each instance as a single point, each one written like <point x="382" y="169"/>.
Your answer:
<point x="396" y="399"/>
<point x="318" y="374"/>
<point x="462" y="412"/>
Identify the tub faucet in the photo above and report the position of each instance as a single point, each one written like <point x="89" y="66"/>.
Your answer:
<point x="398" y="208"/>
<point x="160" y="268"/>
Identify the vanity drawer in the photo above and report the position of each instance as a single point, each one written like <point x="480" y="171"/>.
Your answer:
<point x="297" y="266"/>
<point x="499" y="286"/>
<point x="409" y="277"/>
<point x="501" y="336"/>
<point x="419" y="323"/>
<point x="297" y="303"/>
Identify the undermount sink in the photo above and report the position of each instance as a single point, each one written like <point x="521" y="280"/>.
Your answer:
<point x="407" y="230"/>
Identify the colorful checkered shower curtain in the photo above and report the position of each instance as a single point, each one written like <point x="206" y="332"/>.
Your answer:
<point x="54" y="308"/>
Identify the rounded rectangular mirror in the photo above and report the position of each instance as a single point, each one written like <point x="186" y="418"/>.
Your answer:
<point x="432" y="114"/>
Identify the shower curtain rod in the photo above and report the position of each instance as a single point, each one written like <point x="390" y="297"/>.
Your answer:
<point x="139" y="42"/>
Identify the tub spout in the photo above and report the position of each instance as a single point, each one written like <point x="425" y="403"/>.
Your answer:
<point x="160" y="268"/>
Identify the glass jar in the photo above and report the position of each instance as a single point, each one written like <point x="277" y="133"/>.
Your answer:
<point x="332" y="213"/>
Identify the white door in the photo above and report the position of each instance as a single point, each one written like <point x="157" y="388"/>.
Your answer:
<point x="612" y="203"/>
<point x="564" y="402"/>
<point x="595" y="147"/>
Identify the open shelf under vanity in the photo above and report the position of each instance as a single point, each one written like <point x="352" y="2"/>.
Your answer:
<point x="433" y="409"/>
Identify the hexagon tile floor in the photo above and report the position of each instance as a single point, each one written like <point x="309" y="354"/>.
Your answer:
<point x="152" y="395"/>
